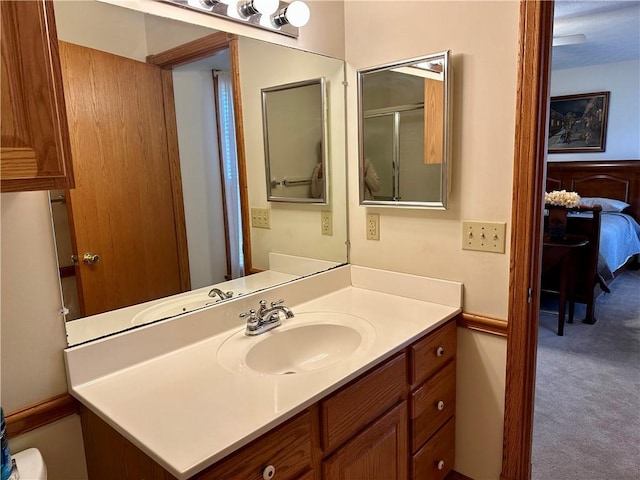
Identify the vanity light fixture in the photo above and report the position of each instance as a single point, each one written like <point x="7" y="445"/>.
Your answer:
<point x="273" y="15"/>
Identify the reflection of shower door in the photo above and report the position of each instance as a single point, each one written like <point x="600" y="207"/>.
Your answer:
<point x="395" y="146"/>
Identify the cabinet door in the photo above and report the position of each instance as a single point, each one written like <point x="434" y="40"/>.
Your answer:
<point x="286" y="449"/>
<point x="35" y="153"/>
<point x="378" y="453"/>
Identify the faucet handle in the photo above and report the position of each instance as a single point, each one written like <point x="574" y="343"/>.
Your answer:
<point x="278" y="302"/>
<point x="251" y="314"/>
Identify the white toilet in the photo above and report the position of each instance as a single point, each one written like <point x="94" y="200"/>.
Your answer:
<point x="30" y="464"/>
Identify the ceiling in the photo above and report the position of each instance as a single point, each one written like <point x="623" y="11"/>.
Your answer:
<point x="612" y="31"/>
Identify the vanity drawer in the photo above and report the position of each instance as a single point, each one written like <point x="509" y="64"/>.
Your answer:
<point x="435" y="459"/>
<point x="432" y="404"/>
<point x="432" y="353"/>
<point x="358" y="404"/>
<point x="287" y="447"/>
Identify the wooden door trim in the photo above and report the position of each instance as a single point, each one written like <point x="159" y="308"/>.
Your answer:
<point x="192" y="51"/>
<point x="176" y="179"/>
<point x="234" y="58"/>
<point x="536" y="26"/>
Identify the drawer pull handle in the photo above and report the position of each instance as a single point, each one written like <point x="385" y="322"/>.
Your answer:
<point x="268" y="472"/>
<point x="440" y="351"/>
<point x="440" y="405"/>
<point x="441" y="465"/>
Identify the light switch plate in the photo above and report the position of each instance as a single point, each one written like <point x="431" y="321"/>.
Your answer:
<point x="484" y="236"/>
<point x="260" y="218"/>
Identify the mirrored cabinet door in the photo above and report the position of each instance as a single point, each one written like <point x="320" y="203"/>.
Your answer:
<point x="404" y="112"/>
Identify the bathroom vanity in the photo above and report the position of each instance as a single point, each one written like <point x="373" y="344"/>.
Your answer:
<point x="175" y="409"/>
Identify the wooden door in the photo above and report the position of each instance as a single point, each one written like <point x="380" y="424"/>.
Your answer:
<point x="122" y="208"/>
<point x="34" y="149"/>
<point x="378" y="453"/>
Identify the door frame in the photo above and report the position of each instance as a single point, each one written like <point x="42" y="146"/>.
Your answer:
<point x="536" y="30"/>
<point x="190" y="52"/>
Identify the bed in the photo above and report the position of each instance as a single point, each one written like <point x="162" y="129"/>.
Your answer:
<point x="613" y="233"/>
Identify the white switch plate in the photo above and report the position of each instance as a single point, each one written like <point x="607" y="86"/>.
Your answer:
<point x="373" y="226"/>
<point x="260" y="218"/>
<point x="484" y="236"/>
<point x="326" y="223"/>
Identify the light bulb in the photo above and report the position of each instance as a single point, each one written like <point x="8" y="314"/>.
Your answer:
<point x="297" y="13"/>
<point x="266" y="7"/>
<point x="253" y="7"/>
<point x="202" y="4"/>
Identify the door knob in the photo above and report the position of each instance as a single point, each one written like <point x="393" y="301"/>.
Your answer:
<point x="90" y="258"/>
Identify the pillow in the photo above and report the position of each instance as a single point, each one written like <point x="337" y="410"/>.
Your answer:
<point x="607" y="204"/>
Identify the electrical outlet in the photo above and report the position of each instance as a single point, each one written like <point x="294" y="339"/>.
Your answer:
<point x="373" y="226"/>
<point x="326" y="223"/>
<point x="261" y="218"/>
<point x="484" y="236"/>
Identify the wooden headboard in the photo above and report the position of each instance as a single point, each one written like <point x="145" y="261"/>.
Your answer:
<point x="618" y="179"/>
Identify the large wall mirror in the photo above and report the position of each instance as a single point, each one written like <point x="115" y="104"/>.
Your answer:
<point x="170" y="171"/>
<point x="294" y="143"/>
<point x="404" y="116"/>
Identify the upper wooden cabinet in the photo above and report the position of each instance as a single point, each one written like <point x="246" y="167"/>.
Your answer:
<point x="35" y="152"/>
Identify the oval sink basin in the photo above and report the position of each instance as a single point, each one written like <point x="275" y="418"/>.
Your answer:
<point x="306" y="343"/>
<point x="180" y="304"/>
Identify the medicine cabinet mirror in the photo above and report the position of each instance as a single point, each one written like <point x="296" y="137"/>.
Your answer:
<point x="404" y="116"/>
<point x="294" y="123"/>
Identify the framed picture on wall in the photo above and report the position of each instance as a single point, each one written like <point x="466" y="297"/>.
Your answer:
<point x="578" y="123"/>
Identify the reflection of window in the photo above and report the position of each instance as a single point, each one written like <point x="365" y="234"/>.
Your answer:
<point x="229" y="164"/>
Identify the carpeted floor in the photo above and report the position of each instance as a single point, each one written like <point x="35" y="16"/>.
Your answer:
<point x="587" y="406"/>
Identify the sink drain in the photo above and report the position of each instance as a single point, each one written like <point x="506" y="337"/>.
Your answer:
<point x="288" y="373"/>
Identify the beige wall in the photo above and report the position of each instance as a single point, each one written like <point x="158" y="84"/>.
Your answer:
<point x="483" y="39"/>
<point x="300" y="222"/>
<point x="32" y="330"/>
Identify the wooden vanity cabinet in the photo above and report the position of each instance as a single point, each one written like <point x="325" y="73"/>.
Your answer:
<point x="394" y="422"/>
<point x="35" y="152"/>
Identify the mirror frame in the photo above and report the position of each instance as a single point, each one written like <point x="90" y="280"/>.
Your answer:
<point x="446" y="147"/>
<point x="323" y="200"/>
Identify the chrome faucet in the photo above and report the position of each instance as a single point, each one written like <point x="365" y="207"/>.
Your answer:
<point x="216" y="292"/>
<point x="265" y="319"/>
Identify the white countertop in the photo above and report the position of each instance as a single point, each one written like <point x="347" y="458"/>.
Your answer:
<point x="186" y="411"/>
